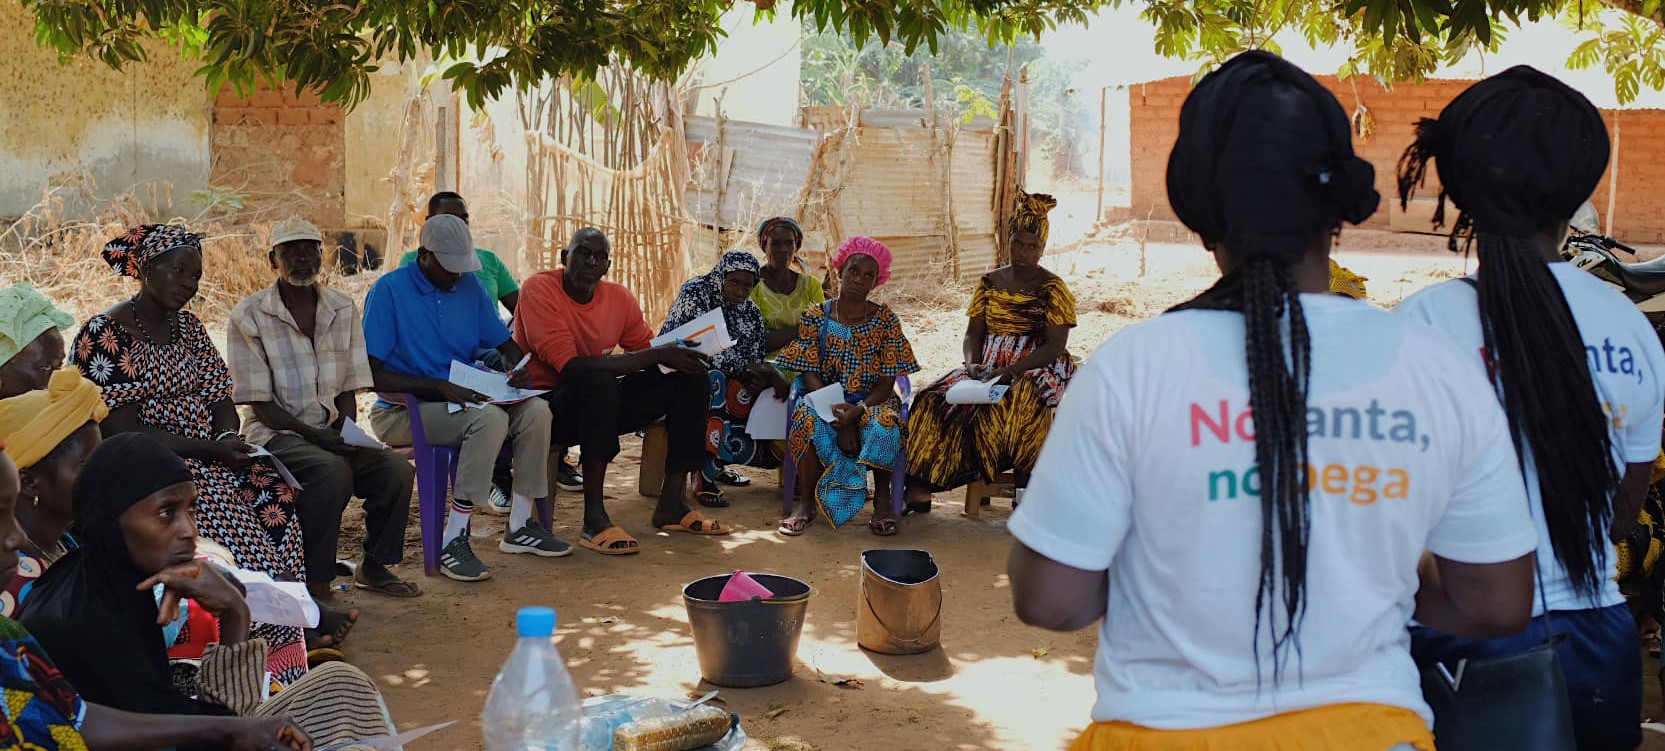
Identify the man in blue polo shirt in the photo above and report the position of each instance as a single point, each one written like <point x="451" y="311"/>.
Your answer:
<point x="418" y="319"/>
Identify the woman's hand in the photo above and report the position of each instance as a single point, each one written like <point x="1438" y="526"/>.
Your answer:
<point x="230" y="451"/>
<point x="849" y="439"/>
<point x="847" y="415"/>
<point x="196" y="581"/>
<point x="682" y="359"/>
<point x="976" y="371"/>
<point x="782" y="387"/>
<point x="267" y="734"/>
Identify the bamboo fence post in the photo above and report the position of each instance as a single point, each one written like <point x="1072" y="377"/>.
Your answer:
<point x="1103" y="101"/>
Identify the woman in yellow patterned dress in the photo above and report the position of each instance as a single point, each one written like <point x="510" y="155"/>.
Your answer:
<point x="1019" y="331"/>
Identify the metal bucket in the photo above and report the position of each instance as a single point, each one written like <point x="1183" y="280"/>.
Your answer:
<point x="900" y="608"/>
<point x="748" y="643"/>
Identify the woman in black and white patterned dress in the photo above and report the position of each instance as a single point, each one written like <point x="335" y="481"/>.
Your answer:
<point x="161" y="375"/>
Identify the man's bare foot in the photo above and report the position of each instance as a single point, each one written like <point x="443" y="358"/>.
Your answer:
<point x="333" y="628"/>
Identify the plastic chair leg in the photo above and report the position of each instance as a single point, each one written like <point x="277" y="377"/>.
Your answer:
<point x="545" y="510"/>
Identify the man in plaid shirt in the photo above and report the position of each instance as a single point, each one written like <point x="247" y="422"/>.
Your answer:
<point x="298" y="357"/>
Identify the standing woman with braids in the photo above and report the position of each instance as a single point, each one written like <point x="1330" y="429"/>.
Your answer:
<point x="1371" y="440"/>
<point x="1575" y="365"/>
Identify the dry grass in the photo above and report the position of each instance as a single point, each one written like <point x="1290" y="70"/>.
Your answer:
<point x="62" y="256"/>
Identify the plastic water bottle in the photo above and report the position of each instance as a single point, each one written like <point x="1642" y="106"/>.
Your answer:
<point x="533" y="705"/>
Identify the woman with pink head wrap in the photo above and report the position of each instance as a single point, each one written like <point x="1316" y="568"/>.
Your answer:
<point x="865" y="246"/>
<point x="859" y="343"/>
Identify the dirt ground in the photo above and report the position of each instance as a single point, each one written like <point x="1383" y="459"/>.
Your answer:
<point x="995" y="684"/>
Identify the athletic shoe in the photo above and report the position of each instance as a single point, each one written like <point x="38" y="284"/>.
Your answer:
<point x="567" y="477"/>
<point x="498" y="503"/>
<point x="457" y="561"/>
<point x="532" y="538"/>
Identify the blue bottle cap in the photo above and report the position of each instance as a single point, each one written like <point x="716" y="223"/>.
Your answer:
<point x="536" y="622"/>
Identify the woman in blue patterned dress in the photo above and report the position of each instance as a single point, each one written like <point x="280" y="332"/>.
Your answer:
<point x="858" y="343"/>
<point x="739" y="376"/>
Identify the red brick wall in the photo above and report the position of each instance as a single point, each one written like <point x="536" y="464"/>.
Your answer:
<point x="1638" y="215"/>
<point x="287" y="153"/>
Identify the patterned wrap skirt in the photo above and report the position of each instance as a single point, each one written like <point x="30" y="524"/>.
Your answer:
<point x="950" y="445"/>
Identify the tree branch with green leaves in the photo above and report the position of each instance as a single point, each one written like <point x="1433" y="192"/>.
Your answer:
<point x="332" y="48"/>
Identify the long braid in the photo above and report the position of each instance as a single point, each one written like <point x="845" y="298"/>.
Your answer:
<point x="1534" y="348"/>
<point x="1539" y="359"/>
<point x="1263" y="291"/>
<point x="1264" y="170"/>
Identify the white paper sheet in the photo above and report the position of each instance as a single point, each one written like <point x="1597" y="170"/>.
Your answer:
<point x="709" y="332"/>
<point x="976" y="392"/>
<point x="768" y="418"/>
<point x="277" y="603"/>
<point x="493" y="384"/>
<point x="278" y="463"/>
<point x="822" y="401"/>
<point x="390" y="742"/>
<point x="354" y="435"/>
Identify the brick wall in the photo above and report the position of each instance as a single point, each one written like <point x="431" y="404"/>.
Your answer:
<point x="1638" y="213"/>
<point x="286" y="151"/>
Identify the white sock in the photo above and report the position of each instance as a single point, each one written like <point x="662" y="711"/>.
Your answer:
<point x="456" y="524"/>
<point x="520" y="512"/>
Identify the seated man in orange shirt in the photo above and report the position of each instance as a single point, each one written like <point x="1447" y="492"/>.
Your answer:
<point x="571" y="322"/>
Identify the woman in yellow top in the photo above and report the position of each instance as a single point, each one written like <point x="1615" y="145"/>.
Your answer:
<point x="1021" y="316"/>
<point x="781" y="293"/>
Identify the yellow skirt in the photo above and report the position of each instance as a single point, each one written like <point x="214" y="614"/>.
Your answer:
<point x="1339" y="727"/>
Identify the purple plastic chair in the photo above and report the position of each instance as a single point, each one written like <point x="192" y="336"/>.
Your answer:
<point x="436" y="471"/>
<point x="898" y="473"/>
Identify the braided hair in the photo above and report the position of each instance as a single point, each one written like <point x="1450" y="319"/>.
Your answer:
<point x="1264" y="166"/>
<point x="1518" y="153"/>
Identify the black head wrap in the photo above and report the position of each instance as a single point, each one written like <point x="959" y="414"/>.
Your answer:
<point x="1264" y="160"/>
<point x="1264" y="163"/>
<point x="87" y="610"/>
<point x="1511" y="151"/>
<point x="1518" y="153"/>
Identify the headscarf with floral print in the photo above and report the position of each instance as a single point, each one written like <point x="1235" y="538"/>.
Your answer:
<point x="130" y="253"/>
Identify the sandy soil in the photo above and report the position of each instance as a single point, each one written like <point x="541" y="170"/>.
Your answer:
<point x="996" y="684"/>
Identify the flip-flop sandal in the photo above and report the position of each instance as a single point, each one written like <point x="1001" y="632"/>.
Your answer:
<point x="706" y="527"/>
<point x="603" y="542"/>
<point x="882" y="527"/>
<point x="316" y="657"/>
<point x="795" y="526"/>
<point x="731" y="477"/>
<point x="917" y="507"/>
<point x="395" y="588"/>
<point x="712" y="499"/>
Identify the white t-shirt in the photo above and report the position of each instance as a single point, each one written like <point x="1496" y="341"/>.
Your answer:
<point x="1148" y="473"/>
<point x="1627" y="363"/>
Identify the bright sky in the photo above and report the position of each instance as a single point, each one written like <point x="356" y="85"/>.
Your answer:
<point x="1120" y="47"/>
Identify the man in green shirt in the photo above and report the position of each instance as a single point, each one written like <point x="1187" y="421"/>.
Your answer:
<point x="493" y="274"/>
<point x="501" y="286"/>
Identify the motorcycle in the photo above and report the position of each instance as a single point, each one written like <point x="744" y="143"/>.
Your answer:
<point x="1643" y="282"/>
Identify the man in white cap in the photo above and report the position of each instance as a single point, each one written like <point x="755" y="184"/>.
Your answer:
<point x="417" y="320"/>
<point x="297" y="357"/>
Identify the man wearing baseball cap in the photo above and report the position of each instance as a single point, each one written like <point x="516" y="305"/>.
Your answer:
<point x="297" y="358"/>
<point x="417" y="320"/>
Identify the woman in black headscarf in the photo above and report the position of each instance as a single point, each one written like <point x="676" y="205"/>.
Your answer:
<point x="1573" y="362"/>
<point x="1289" y="632"/>
<point x="101" y="609"/>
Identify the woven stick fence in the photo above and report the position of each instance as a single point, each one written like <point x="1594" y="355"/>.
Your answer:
<point x="610" y="155"/>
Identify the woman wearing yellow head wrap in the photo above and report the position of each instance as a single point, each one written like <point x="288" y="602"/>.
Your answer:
<point x="49" y="433"/>
<point x="1018" y="333"/>
<point x="31" y="342"/>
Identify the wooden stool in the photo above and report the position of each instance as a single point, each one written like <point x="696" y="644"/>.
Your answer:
<point x="1004" y="486"/>
<point x="652" y="475"/>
